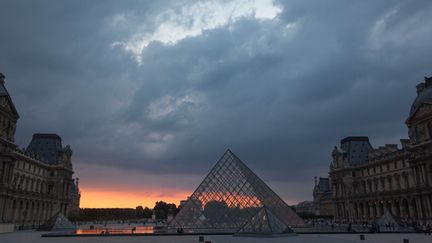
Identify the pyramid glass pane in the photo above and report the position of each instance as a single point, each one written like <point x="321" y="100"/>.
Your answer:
<point x="264" y="222"/>
<point x="230" y="196"/>
<point x="57" y="222"/>
<point x="258" y="223"/>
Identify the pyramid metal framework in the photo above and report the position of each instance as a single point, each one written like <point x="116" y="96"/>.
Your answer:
<point x="387" y="219"/>
<point x="264" y="222"/>
<point x="233" y="199"/>
<point x="58" y="222"/>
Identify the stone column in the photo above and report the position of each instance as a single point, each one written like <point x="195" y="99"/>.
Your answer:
<point x="419" y="207"/>
<point x="420" y="175"/>
<point x="48" y="213"/>
<point x="426" y="204"/>
<point x="11" y="168"/>
<point x="344" y="216"/>
<point x="40" y="213"/>
<point x="10" y="210"/>
<point x="40" y="217"/>
<point x="43" y="212"/>
<point x="371" y="211"/>
<point x="416" y="176"/>
<point x="368" y="211"/>
<point x="393" y="207"/>
<point x="2" y="208"/>
<point x="20" y="208"/>
<point x="14" y="211"/>
<point x="6" y="209"/>
<point x="425" y="174"/>
<point x="3" y="171"/>
<point x="402" y="212"/>
<point x="411" y="209"/>
<point x="379" y="213"/>
<point x="430" y="203"/>
<point x="364" y="210"/>
<point x="422" y="207"/>
<point x="47" y="210"/>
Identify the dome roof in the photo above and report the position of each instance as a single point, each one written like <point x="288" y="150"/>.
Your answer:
<point x="424" y="95"/>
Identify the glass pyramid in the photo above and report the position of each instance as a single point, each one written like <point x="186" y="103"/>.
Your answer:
<point x="231" y="198"/>
<point x="264" y="222"/>
<point x="58" y="222"/>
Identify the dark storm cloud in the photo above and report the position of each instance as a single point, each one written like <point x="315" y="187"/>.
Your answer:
<point x="280" y="92"/>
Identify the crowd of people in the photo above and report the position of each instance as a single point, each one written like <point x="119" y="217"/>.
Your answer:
<point x="322" y="224"/>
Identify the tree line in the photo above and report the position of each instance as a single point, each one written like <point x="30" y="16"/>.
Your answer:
<point x="161" y="211"/>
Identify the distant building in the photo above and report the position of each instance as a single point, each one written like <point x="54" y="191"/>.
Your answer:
<point x="322" y="195"/>
<point x="183" y="202"/>
<point x="306" y="208"/>
<point x="322" y="204"/>
<point x="367" y="181"/>
<point x="35" y="183"/>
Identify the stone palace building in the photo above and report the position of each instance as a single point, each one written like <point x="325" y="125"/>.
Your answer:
<point x="35" y="183"/>
<point x="367" y="181"/>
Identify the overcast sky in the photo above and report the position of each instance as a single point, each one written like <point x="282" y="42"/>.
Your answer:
<point x="151" y="93"/>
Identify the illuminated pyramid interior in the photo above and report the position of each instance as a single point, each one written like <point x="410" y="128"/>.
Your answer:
<point x="232" y="199"/>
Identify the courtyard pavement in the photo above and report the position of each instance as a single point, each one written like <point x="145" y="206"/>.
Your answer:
<point x="35" y="237"/>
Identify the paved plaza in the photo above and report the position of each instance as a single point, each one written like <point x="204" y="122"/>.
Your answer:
<point x="35" y="237"/>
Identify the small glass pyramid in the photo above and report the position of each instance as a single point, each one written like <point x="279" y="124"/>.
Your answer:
<point x="231" y="199"/>
<point x="58" y="222"/>
<point x="264" y="222"/>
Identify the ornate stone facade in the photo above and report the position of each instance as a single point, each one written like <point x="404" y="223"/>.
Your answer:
<point x="388" y="178"/>
<point x="36" y="182"/>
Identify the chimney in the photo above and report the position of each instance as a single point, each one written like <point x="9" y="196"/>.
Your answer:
<point x="316" y="182"/>
<point x="76" y="182"/>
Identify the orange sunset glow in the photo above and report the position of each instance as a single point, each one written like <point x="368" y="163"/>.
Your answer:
<point x="105" y="198"/>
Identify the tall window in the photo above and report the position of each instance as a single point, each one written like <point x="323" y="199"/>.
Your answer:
<point x="429" y="126"/>
<point x="417" y="135"/>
